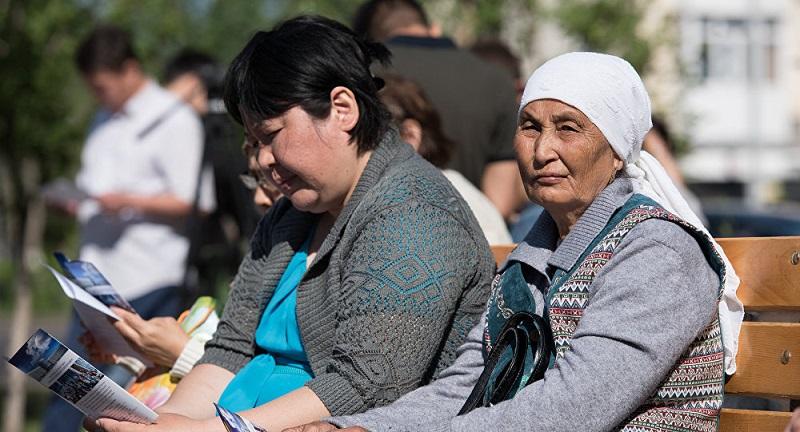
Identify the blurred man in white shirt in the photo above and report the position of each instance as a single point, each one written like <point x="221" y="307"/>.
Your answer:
<point x="140" y="167"/>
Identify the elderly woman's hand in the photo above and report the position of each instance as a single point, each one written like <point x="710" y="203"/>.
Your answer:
<point x="159" y="339"/>
<point x="323" y="427"/>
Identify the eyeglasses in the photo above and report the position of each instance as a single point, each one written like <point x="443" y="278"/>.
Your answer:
<point x="253" y="179"/>
<point x="250" y="147"/>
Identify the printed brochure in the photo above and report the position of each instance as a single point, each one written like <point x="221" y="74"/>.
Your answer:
<point x="91" y="296"/>
<point x="235" y="423"/>
<point x="85" y="275"/>
<point x="58" y="368"/>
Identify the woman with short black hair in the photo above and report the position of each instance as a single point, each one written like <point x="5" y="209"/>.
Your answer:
<point x="363" y="279"/>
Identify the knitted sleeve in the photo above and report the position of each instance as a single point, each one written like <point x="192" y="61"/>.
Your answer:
<point x="233" y="344"/>
<point x="434" y="404"/>
<point x="402" y="282"/>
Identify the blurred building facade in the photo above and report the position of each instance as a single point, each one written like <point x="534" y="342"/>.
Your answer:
<point x="726" y="76"/>
<point x="742" y="100"/>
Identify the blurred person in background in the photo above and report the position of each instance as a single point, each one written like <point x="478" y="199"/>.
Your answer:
<point x="198" y="81"/>
<point x="658" y="142"/>
<point x="256" y="180"/>
<point x="495" y="51"/>
<point x="140" y="168"/>
<point x="420" y="126"/>
<point x="360" y="283"/>
<point x="475" y="100"/>
<point x="217" y="240"/>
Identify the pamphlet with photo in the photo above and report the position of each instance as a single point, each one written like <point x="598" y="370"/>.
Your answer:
<point x="85" y="275"/>
<point x="77" y="381"/>
<point x="235" y="423"/>
<point x="95" y="314"/>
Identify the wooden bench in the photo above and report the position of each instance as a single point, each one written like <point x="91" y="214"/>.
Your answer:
<point x="768" y="363"/>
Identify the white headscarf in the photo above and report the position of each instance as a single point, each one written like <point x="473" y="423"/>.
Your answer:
<point x="610" y="93"/>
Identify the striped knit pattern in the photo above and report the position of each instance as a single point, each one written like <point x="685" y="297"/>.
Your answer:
<point x="690" y="397"/>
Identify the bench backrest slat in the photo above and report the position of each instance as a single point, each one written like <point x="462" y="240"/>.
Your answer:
<point x="768" y="363"/>
<point x="769" y="268"/>
<point x="740" y="420"/>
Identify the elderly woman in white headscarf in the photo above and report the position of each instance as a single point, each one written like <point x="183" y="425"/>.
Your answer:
<point x="636" y="294"/>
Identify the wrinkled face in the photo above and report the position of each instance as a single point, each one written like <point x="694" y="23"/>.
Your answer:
<point x="564" y="159"/>
<point x="110" y="88"/>
<point x="309" y="160"/>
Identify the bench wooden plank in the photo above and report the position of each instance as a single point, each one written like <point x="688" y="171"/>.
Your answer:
<point x="736" y="420"/>
<point x="500" y="252"/>
<point x="770" y="277"/>
<point x="760" y="368"/>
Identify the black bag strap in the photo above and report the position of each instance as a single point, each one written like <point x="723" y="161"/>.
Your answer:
<point x="522" y="332"/>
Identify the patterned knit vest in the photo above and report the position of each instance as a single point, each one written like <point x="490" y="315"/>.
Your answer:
<point x="690" y="397"/>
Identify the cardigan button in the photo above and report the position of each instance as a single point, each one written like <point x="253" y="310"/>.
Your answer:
<point x="787" y="355"/>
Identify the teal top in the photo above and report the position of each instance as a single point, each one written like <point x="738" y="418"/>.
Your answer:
<point x="281" y="364"/>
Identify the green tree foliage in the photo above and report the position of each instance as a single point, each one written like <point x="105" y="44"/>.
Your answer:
<point x="606" y="26"/>
<point x="227" y="25"/>
<point x="42" y="108"/>
<point x="40" y="122"/>
<point x="160" y="29"/>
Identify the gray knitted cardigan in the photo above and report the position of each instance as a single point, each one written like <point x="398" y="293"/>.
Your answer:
<point x="394" y="289"/>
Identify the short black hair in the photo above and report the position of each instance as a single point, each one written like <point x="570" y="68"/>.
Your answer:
<point x="377" y="19"/>
<point x="107" y="47"/>
<point x="200" y="64"/>
<point x="298" y="63"/>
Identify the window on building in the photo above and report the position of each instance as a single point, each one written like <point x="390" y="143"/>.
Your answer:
<point x="738" y="49"/>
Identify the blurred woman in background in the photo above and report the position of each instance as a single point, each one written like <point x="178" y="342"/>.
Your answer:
<point x="419" y="125"/>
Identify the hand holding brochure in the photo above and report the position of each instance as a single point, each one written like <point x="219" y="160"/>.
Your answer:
<point x="91" y="296"/>
<point x="235" y="423"/>
<point x="56" y="367"/>
<point x="200" y="320"/>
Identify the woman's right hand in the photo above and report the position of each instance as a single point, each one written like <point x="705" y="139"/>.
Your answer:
<point x="160" y="339"/>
